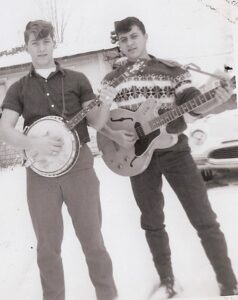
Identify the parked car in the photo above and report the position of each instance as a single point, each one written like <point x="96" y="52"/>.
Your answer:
<point x="214" y="142"/>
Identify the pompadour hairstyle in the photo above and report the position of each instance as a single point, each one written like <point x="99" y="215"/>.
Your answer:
<point x="126" y="24"/>
<point x="40" y="29"/>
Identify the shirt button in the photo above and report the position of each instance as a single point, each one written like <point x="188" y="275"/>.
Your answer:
<point x="52" y="105"/>
<point x="45" y="80"/>
<point x="47" y="94"/>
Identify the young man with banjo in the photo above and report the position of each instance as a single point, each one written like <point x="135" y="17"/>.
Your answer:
<point x="54" y="102"/>
<point x="149" y="125"/>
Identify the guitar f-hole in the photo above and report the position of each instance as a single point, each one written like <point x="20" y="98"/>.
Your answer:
<point x="131" y="163"/>
<point x="121" y="119"/>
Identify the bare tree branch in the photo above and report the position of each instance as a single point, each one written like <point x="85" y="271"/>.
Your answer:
<point x="227" y="8"/>
<point x="56" y="13"/>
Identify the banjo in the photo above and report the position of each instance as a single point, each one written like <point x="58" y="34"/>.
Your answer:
<point x="55" y="126"/>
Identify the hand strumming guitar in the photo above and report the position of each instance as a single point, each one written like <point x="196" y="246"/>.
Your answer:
<point x="124" y="138"/>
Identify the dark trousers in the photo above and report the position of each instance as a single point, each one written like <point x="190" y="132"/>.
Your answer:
<point x="183" y="176"/>
<point x="79" y="190"/>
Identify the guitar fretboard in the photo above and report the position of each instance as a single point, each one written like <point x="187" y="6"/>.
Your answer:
<point x="180" y="110"/>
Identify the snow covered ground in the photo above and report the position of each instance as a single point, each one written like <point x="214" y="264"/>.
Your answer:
<point x="133" y="268"/>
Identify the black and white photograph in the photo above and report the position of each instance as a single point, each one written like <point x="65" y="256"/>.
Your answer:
<point x="118" y="149"/>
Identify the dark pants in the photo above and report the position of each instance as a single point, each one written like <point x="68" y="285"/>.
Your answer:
<point x="183" y="176"/>
<point x="79" y="190"/>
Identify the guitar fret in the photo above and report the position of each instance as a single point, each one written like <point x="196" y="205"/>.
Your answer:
<point x="199" y="100"/>
<point x="179" y="109"/>
<point x="156" y="122"/>
<point x="190" y="107"/>
<point x="210" y="94"/>
<point x="174" y="114"/>
<point x="203" y="99"/>
<point x="169" y="114"/>
<point x="194" y="104"/>
<point x="185" y="108"/>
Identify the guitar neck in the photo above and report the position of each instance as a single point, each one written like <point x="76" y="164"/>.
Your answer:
<point x="180" y="110"/>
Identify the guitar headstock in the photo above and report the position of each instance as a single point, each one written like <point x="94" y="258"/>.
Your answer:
<point x="231" y="83"/>
<point x="131" y="70"/>
<point x="138" y="66"/>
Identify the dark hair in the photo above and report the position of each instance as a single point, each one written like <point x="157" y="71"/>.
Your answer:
<point x="40" y="29"/>
<point x="126" y="24"/>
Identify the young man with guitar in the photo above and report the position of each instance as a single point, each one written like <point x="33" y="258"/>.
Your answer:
<point x="60" y="162"/>
<point x="164" y="88"/>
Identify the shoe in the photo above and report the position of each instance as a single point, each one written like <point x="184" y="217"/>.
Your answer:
<point x="226" y="291"/>
<point x="168" y="288"/>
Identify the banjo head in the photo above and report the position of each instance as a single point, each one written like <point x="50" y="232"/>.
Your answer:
<point x="53" y="165"/>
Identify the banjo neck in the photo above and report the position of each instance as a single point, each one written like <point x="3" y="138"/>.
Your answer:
<point x="82" y="113"/>
<point x="139" y="65"/>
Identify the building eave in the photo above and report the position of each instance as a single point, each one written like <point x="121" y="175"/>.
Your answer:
<point x="22" y="67"/>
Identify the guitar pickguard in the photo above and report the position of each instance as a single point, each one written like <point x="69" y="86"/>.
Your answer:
<point x="142" y="144"/>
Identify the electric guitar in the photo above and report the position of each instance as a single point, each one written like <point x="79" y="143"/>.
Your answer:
<point x="150" y="129"/>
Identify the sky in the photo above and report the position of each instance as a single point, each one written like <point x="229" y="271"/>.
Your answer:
<point x="177" y="29"/>
<point x="187" y="31"/>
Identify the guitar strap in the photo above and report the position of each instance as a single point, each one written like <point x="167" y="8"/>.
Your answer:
<point x="63" y="98"/>
<point x="196" y="68"/>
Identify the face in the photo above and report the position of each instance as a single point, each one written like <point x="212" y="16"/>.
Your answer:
<point x="133" y="43"/>
<point x="41" y="51"/>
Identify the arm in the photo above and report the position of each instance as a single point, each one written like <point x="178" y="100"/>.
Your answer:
<point x="45" y="145"/>
<point x="185" y="91"/>
<point x="124" y="138"/>
<point x="222" y="95"/>
<point x="8" y="132"/>
<point x="98" y="116"/>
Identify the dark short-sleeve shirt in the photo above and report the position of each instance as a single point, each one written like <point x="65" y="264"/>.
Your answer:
<point x="35" y="97"/>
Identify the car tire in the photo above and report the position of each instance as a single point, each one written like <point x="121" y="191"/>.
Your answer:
<point x="207" y="174"/>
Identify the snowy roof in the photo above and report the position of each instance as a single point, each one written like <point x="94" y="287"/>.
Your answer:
<point x="62" y="51"/>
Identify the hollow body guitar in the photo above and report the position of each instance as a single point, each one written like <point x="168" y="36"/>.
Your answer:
<point x="55" y="126"/>
<point x="150" y="129"/>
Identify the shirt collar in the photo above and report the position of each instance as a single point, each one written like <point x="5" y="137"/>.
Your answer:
<point x="58" y="69"/>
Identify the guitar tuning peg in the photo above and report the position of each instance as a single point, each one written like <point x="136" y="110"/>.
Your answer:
<point x="224" y="83"/>
<point x="227" y="68"/>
